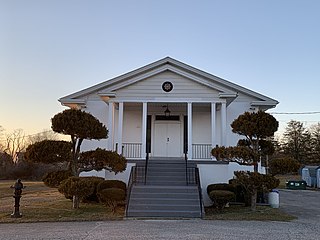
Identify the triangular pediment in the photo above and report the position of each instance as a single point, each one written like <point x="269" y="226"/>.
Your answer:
<point x="187" y="82"/>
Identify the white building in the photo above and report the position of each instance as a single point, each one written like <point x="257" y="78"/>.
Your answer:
<point x="168" y="109"/>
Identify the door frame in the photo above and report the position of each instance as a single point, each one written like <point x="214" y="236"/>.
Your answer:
<point x="153" y="135"/>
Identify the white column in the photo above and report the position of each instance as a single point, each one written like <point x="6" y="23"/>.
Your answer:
<point x="213" y="125"/>
<point x="120" y="126"/>
<point x="223" y="123"/>
<point x="144" y="130"/>
<point x="111" y="126"/>
<point x="190" y="130"/>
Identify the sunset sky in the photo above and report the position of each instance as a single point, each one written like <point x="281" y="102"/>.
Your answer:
<point x="52" y="48"/>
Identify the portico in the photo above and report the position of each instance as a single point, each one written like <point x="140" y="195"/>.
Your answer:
<point x="141" y="127"/>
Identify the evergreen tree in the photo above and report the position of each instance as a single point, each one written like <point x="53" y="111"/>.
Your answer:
<point x="297" y="141"/>
<point x="79" y="125"/>
<point x="315" y="144"/>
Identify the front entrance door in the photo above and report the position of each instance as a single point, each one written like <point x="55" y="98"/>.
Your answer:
<point x="167" y="141"/>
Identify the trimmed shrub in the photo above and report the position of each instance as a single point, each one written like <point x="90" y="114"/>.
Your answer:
<point x="111" y="184"/>
<point x="284" y="165"/>
<point x="254" y="183"/>
<point x="53" y="179"/>
<point x="22" y="169"/>
<point x="77" y="187"/>
<point x="221" y="197"/>
<point x="220" y="186"/>
<point x="239" y="191"/>
<point x="112" y="197"/>
<point x="95" y="182"/>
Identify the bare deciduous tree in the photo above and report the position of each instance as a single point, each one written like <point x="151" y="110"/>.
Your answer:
<point x="2" y="140"/>
<point x="15" y="143"/>
<point x="44" y="135"/>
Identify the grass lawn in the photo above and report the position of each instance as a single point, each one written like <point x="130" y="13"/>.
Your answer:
<point x="241" y="213"/>
<point x="41" y="204"/>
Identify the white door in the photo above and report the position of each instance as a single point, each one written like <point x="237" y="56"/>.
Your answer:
<point x="167" y="141"/>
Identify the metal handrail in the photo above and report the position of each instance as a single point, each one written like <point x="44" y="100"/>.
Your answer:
<point x="197" y="175"/>
<point x="130" y="183"/>
<point x="186" y="160"/>
<point x="193" y="178"/>
<point x="146" y="168"/>
<point x="133" y="179"/>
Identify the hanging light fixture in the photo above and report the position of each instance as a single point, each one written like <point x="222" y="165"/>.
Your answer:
<point x="167" y="112"/>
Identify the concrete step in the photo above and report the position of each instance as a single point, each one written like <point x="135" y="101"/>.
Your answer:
<point x="179" y="177"/>
<point x="164" y="200"/>
<point x="165" y="207"/>
<point x="169" y="172"/>
<point x="164" y="214"/>
<point x="164" y="189"/>
<point x="165" y="193"/>
<point x="165" y="168"/>
<point x="165" y="183"/>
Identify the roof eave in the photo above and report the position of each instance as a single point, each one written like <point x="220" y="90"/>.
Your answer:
<point x="73" y="103"/>
<point x="265" y="105"/>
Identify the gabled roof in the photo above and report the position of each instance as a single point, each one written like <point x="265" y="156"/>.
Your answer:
<point x="226" y="88"/>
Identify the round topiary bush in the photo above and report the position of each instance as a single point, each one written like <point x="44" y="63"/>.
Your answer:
<point x="77" y="187"/>
<point x="53" y="179"/>
<point x="112" y="197"/>
<point x="95" y="182"/>
<point x="111" y="184"/>
<point x="221" y="197"/>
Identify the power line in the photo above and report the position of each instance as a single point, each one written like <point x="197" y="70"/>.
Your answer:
<point x="294" y="113"/>
<point x="305" y="121"/>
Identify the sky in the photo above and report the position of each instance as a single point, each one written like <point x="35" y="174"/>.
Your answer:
<point x="52" y="48"/>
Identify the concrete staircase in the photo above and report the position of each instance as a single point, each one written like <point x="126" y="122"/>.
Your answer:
<point x="165" y="193"/>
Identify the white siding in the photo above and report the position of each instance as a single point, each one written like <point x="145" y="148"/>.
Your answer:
<point x="233" y="111"/>
<point x="98" y="109"/>
<point x="152" y="88"/>
<point x="201" y="130"/>
<point x="220" y="173"/>
<point x="132" y="120"/>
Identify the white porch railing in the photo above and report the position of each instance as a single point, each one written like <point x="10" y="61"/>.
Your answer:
<point x="131" y="150"/>
<point x="201" y="151"/>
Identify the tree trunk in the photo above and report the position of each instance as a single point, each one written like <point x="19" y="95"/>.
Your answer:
<point x="254" y="200"/>
<point x="75" y="202"/>
<point x="255" y="167"/>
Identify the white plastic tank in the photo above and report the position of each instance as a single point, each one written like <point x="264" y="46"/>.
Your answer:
<point x="318" y="178"/>
<point x="305" y="175"/>
<point x="273" y="199"/>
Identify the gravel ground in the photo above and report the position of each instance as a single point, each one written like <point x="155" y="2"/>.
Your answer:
<point x="303" y="204"/>
<point x="161" y="229"/>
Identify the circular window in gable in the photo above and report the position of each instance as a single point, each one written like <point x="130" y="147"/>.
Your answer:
<point x="167" y="86"/>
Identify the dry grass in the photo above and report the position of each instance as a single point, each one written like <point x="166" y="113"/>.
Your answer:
<point x="241" y="213"/>
<point x="42" y="204"/>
